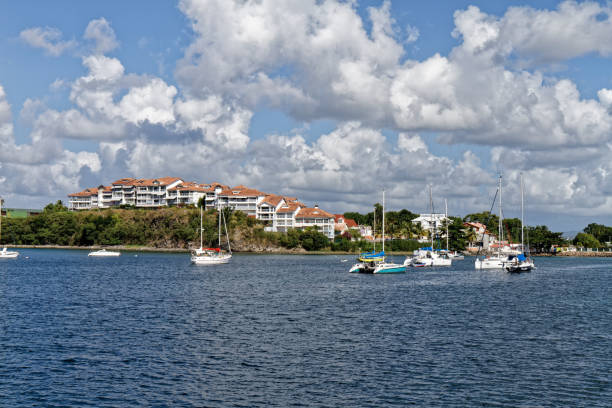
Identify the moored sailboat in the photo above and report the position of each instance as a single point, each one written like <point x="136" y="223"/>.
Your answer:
<point x="498" y="261"/>
<point x="522" y="262"/>
<point x="375" y="262"/>
<point x="211" y="256"/>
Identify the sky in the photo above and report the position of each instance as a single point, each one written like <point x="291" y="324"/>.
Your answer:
<point x="330" y="101"/>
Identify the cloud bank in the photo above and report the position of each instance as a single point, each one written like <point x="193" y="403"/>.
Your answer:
<point x="317" y="60"/>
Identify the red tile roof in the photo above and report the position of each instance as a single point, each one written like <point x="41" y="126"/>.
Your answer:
<point x="313" y="213"/>
<point x="290" y="207"/>
<point x="88" y="192"/>
<point x="241" y="191"/>
<point x="350" y="223"/>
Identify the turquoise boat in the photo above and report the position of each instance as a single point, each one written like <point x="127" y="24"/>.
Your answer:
<point x="374" y="262"/>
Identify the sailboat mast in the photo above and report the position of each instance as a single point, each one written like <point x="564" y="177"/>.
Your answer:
<point x="433" y="220"/>
<point x="374" y="229"/>
<point x="383" y="222"/>
<point x="219" y="229"/>
<point x="201" y="228"/>
<point x="522" y="217"/>
<point x="446" y="216"/>
<point x="0" y="219"/>
<point x="499" y="224"/>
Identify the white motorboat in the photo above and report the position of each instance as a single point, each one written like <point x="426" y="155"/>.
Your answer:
<point x="491" y="262"/>
<point x="104" y="253"/>
<point x="6" y="254"/>
<point x="211" y="256"/>
<point x="426" y="257"/>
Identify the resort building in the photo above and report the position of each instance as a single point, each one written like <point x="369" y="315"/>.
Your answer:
<point x="280" y="212"/>
<point x="241" y="198"/>
<point x="84" y="200"/>
<point x="190" y="193"/>
<point x="296" y="215"/>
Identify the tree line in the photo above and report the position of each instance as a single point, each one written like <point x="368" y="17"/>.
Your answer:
<point x="172" y="227"/>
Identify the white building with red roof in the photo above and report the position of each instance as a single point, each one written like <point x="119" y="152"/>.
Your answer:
<point x="296" y="215"/>
<point x="83" y="200"/>
<point x="342" y="224"/>
<point x="281" y="212"/>
<point x="241" y="198"/>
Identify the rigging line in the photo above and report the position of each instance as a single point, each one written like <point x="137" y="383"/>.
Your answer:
<point x="487" y="219"/>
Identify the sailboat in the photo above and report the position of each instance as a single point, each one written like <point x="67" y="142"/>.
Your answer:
<point x="375" y="263"/>
<point x="367" y="260"/>
<point x="211" y="256"/>
<point x="5" y="253"/>
<point x="522" y="262"/>
<point x="428" y="256"/>
<point x="498" y="261"/>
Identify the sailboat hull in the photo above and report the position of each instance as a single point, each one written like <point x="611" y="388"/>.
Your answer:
<point x="210" y="260"/>
<point x="389" y="268"/>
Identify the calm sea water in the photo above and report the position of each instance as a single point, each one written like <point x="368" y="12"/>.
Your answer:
<point x="153" y="330"/>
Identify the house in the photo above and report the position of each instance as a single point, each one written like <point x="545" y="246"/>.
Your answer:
<point x="342" y="224"/>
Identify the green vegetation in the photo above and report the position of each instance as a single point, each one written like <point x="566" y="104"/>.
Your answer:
<point x="169" y="227"/>
<point x="172" y="227"/>
<point x="585" y="240"/>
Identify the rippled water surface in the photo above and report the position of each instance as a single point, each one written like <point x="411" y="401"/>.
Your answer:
<point x="267" y="330"/>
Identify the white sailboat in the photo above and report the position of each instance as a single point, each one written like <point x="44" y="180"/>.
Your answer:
<point x="428" y="256"/>
<point x="5" y="253"/>
<point x="522" y="262"/>
<point x="498" y="261"/>
<point x="211" y="256"/>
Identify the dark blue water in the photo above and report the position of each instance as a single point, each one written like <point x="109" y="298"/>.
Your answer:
<point x="152" y="330"/>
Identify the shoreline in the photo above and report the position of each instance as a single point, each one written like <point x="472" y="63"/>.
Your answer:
<point x="577" y="254"/>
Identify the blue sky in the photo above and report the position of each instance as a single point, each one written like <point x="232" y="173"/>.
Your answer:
<point x="329" y="101"/>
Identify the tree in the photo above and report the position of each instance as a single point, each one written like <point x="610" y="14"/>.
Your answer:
<point x="601" y="232"/>
<point x="585" y="240"/>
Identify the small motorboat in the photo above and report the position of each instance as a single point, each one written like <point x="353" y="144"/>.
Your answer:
<point x="104" y="253"/>
<point x="6" y="254"/>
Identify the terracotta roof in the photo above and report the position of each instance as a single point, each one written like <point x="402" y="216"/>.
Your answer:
<point x="128" y="181"/>
<point x="289" y="208"/>
<point x="350" y="223"/>
<point x="241" y="191"/>
<point x="85" y="193"/>
<point x="162" y="181"/>
<point x="272" y="199"/>
<point x="124" y="181"/>
<point x="190" y="186"/>
<point x="313" y="213"/>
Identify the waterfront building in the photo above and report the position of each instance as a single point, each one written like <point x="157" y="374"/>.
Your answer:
<point x="278" y="211"/>
<point x="241" y="198"/>
<point x="83" y="200"/>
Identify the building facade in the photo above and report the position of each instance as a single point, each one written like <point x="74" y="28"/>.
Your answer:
<point x="279" y="212"/>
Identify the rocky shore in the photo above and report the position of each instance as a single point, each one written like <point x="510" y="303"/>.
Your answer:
<point x="607" y="254"/>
